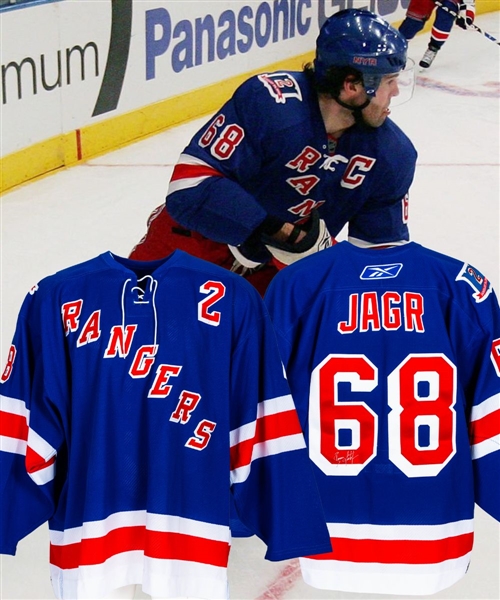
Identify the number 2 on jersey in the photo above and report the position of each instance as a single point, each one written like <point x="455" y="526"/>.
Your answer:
<point x="421" y="393"/>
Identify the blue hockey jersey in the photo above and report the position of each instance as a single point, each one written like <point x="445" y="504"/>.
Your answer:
<point x="267" y="152"/>
<point x="393" y="359"/>
<point x="137" y="398"/>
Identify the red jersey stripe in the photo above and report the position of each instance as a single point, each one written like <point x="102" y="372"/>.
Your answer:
<point x="14" y="426"/>
<point x="417" y="552"/>
<point x="267" y="428"/>
<point x="485" y="428"/>
<point x="183" y="171"/>
<point x="155" y="544"/>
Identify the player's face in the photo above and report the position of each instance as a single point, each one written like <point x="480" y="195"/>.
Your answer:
<point x="378" y="110"/>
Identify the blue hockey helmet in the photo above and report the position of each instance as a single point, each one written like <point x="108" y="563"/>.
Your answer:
<point x="360" y="39"/>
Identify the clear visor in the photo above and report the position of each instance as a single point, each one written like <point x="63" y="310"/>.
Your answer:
<point x="406" y="84"/>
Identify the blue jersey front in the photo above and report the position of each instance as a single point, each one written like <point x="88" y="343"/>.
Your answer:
<point x="267" y="152"/>
<point x="138" y="400"/>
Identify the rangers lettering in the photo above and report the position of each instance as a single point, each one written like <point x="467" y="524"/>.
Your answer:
<point x="71" y="312"/>
<point x="188" y="401"/>
<point x="118" y="344"/>
<point x="303" y="184"/>
<point x="91" y="331"/>
<point x="305" y="208"/>
<point x="160" y="387"/>
<point x="304" y="160"/>
<point x="202" y="435"/>
<point x="352" y="178"/>
<point x="369" y="313"/>
<point x="143" y="361"/>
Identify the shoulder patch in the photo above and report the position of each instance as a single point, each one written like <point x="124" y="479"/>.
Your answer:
<point x="281" y="86"/>
<point x="381" y="271"/>
<point x="477" y="281"/>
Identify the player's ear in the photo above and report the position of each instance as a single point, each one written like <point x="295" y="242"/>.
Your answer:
<point x="352" y="84"/>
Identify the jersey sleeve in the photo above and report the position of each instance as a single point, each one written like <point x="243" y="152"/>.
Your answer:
<point x="207" y="192"/>
<point x="484" y="425"/>
<point x="272" y="481"/>
<point x="384" y="217"/>
<point x="30" y="431"/>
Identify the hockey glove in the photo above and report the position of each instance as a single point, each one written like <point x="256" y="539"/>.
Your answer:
<point x="466" y="14"/>
<point x="317" y="238"/>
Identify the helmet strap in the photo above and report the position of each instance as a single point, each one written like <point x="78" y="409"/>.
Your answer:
<point x="354" y="109"/>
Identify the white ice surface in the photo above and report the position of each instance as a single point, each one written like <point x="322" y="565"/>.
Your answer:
<point x="73" y="215"/>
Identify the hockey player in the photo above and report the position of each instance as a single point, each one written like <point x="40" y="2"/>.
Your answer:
<point x="294" y="156"/>
<point x="393" y="359"/>
<point x="137" y="398"/>
<point x="447" y="13"/>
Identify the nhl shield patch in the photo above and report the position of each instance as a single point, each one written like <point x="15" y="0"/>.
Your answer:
<point x="281" y="86"/>
<point x="477" y="281"/>
<point x="381" y="271"/>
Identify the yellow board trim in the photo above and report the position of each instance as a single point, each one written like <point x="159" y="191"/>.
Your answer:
<point x="68" y="149"/>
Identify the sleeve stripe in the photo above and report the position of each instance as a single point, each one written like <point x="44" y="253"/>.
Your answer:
<point x="40" y="470"/>
<point x="275" y="405"/>
<point x="485" y="428"/>
<point x="268" y="428"/>
<point x="183" y="184"/>
<point x="40" y="459"/>
<point x="14" y="406"/>
<point x="12" y="445"/>
<point x="40" y="446"/>
<point x="190" y="172"/>
<point x="486" y="407"/>
<point x="265" y="408"/>
<point x="275" y="431"/>
<point x="183" y="171"/>
<point x="487" y="447"/>
<point x="13" y="426"/>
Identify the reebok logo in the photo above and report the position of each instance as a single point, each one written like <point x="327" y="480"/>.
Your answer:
<point x="381" y="271"/>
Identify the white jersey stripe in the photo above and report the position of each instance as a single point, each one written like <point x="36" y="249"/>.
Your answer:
<point x="12" y="445"/>
<point x="400" y="532"/>
<point x="14" y="406"/>
<point x="152" y="521"/>
<point x="486" y="447"/>
<point x="485" y="408"/>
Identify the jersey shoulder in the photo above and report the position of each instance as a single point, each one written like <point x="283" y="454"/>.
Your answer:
<point x="67" y="275"/>
<point x="242" y="292"/>
<point x="281" y="98"/>
<point x="393" y="141"/>
<point x="468" y="285"/>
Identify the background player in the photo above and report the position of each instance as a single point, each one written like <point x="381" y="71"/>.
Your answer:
<point x="419" y="12"/>
<point x="393" y="359"/>
<point x="294" y="156"/>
